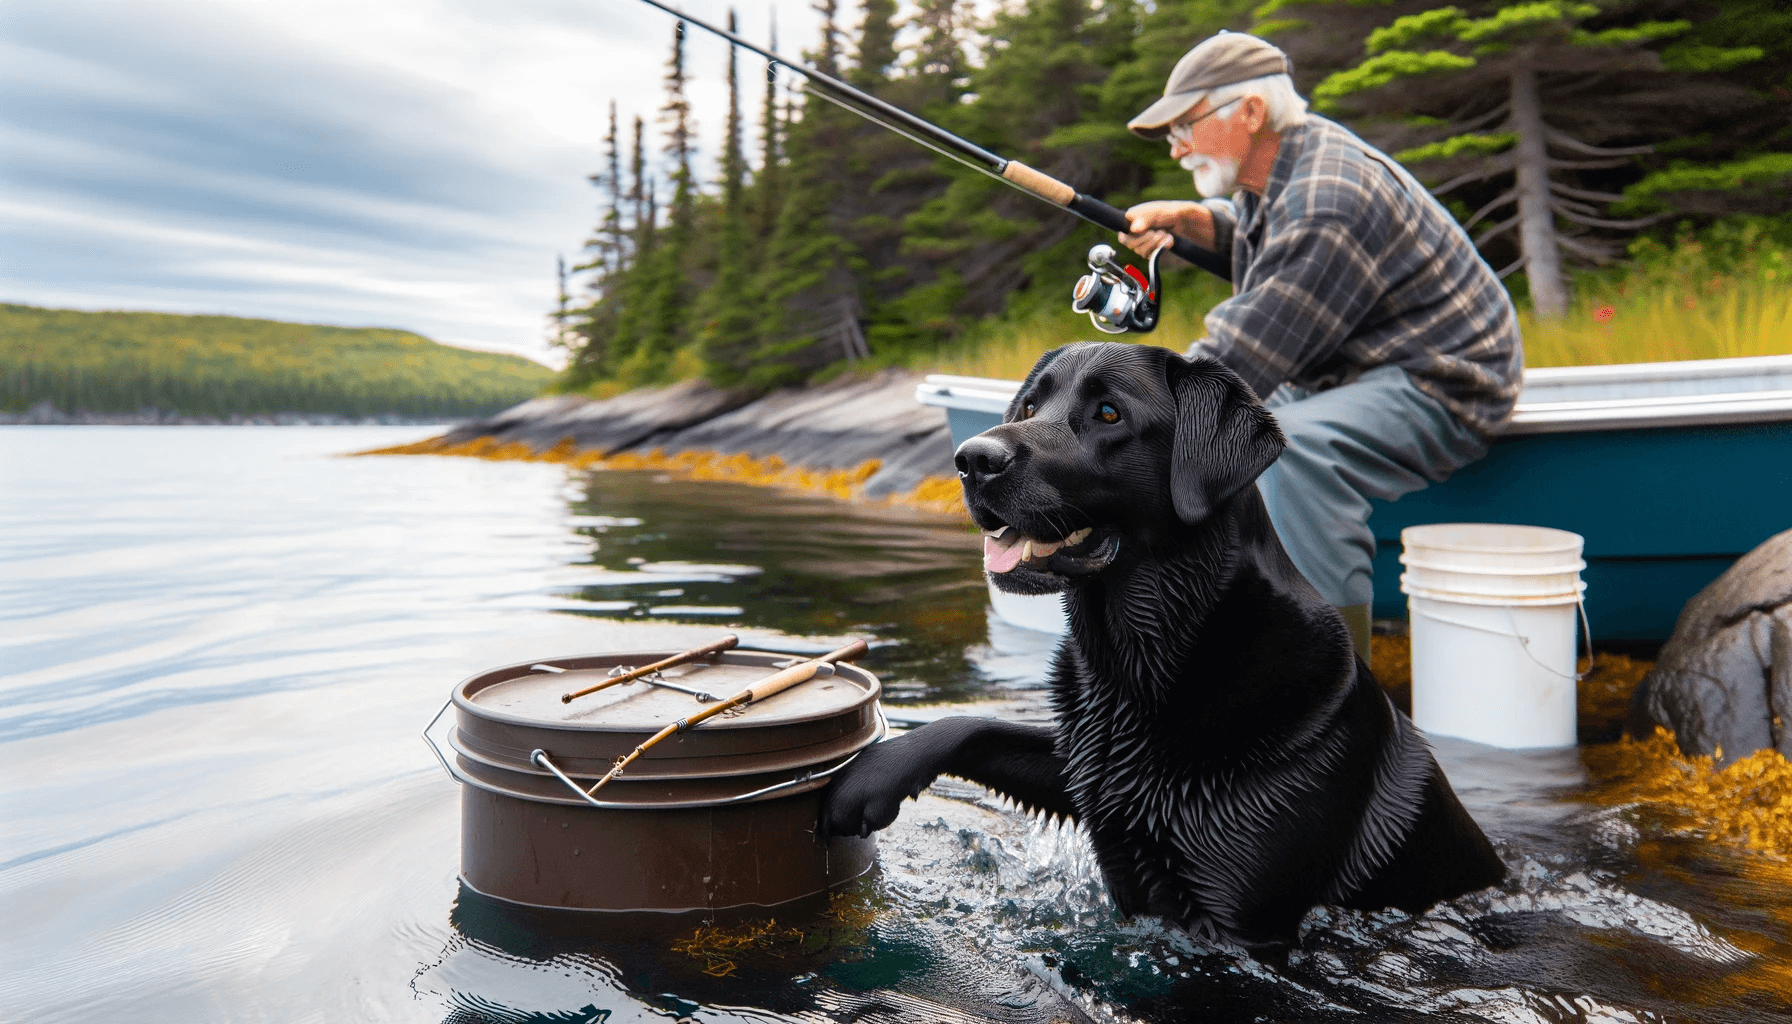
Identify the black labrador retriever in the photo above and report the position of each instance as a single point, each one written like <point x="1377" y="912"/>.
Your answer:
<point x="1230" y="758"/>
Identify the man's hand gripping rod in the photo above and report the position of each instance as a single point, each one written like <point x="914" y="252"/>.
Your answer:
<point x="1012" y="172"/>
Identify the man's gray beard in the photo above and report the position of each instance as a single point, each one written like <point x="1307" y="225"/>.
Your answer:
<point x="1214" y="177"/>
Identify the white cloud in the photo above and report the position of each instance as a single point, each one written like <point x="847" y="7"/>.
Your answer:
<point x="407" y="163"/>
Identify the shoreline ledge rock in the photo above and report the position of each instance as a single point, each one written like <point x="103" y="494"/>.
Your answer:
<point x="1723" y="681"/>
<point x="869" y="428"/>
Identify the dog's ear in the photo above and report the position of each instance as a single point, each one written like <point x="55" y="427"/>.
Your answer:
<point x="1224" y="437"/>
<point x="1013" y="411"/>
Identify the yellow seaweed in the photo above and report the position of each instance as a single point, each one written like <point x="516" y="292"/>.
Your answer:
<point x="934" y="493"/>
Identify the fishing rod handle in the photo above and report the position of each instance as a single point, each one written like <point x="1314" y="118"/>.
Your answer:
<point x="1114" y="219"/>
<point x="1039" y="183"/>
<point x="798" y="673"/>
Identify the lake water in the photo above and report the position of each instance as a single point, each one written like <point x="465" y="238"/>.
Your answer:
<point x="218" y="646"/>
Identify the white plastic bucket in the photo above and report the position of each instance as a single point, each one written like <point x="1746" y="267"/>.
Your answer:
<point x="1493" y="611"/>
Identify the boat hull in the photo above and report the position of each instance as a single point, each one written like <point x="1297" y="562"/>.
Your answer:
<point x="1665" y="509"/>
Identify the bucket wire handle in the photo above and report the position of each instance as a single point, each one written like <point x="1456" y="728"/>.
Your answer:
<point x="1524" y="642"/>
<point x="436" y="749"/>
<point x="540" y="758"/>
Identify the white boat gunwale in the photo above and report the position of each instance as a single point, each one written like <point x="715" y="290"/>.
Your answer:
<point x="1565" y="399"/>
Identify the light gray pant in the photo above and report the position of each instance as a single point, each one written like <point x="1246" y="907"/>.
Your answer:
<point x="1377" y="437"/>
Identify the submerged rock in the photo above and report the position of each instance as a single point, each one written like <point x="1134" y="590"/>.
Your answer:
<point x="1723" y="681"/>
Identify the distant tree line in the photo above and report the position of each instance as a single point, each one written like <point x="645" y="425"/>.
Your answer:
<point x="222" y="366"/>
<point x="1557" y="130"/>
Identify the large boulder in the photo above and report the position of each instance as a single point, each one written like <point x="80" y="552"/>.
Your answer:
<point x="1723" y="682"/>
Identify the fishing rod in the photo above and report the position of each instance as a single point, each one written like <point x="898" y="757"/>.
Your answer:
<point x="1118" y="299"/>
<point x="777" y="682"/>
<point x="629" y="675"/>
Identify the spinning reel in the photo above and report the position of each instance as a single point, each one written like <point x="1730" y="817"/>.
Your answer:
<point x="1117" y="298"/>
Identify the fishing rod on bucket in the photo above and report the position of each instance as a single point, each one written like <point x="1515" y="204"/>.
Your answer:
<point x="1118" y="299"/>
<point x="777" y="682"/>
<point x="629" y="675"/>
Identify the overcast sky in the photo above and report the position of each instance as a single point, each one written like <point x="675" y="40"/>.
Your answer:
<point x="397" y="163"/>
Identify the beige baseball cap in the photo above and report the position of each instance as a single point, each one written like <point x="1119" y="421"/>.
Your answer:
<point x="1223" y="59"/>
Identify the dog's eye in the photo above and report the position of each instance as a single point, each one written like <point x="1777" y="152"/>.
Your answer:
<point x="1106" y="413"/>
<point x="1026" y="411"/>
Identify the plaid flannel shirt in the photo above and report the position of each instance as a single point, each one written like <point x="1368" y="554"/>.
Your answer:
<point x="1346" y="263"/>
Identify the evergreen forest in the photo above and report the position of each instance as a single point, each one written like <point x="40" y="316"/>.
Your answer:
<point x="222" y="365"/>
<point x="1590" y="148"/>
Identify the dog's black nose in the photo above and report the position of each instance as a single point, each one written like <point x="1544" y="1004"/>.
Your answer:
<point x="982" y="457"/>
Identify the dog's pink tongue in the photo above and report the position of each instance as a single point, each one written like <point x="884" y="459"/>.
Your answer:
<point x="1000" y="557"/>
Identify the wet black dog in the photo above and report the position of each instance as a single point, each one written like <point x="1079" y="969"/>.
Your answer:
<point x="1229" y="756"/>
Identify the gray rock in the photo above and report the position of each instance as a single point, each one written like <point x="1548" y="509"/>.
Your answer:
<point x="838" y="425"/>
<point x="610" y="425"/>
<point x="1724" y="679"/>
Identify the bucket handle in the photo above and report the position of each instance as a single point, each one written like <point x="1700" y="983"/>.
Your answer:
<point x="1524" y="642"/>
<point x="539" y="757"/>
<point x="435" y="749"/>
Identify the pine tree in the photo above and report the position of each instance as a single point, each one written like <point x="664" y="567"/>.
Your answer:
<point x="939" y="47"/>
<point x="666" y="289"/>
<point x="827" y="58"/>
<point x="641" y="191"/>
<point x="886" y="177"/>
<point x="608" y="245"/>
<point x="809" y="316"/>
<point x="877" y="45"/>
<point x="559" y="338"/>
<point x="1542" y="94"/>
<point x="729" y="313"/>
<point x="767" y="190"/>
<point x="594" y="326"/>
<point x="635" y="286"/>
<point x="1037" y="100"/>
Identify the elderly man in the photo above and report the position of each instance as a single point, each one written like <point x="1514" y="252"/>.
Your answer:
<point x="1386" y="348"/>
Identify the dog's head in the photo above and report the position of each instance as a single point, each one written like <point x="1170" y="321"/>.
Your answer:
<point x="1108" y="451"/>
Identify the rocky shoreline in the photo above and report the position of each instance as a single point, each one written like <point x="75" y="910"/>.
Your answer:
<point x="859" y="437"/>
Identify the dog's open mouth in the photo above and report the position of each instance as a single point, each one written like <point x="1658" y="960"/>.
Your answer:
<point x="1006" y="549"/>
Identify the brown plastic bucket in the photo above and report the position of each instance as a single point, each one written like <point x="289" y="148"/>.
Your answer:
<point x="720" y="816"/>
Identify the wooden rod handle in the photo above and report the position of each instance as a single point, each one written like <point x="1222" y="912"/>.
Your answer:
<point x="798" y="673"/>
<point x="777" y="682"/>
<point x="1040" y="184"/>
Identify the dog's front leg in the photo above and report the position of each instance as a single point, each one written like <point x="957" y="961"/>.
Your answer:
<point x="1017" y="761"/>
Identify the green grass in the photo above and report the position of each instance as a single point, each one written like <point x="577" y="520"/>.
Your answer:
<point x="1721" y="293"/>
<point x="1717" y="318"/>
<point x="219" y="365"/>
<point x="1007" y="347"/>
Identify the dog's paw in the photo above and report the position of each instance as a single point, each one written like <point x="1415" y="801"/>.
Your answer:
<point x="867" y="794"/>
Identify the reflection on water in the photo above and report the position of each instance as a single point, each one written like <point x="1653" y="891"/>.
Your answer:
<point x="219" y="646"/>
<point x="805" y="566"/>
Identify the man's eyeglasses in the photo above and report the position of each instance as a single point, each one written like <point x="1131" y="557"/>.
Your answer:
<point x="1184" y="131"/>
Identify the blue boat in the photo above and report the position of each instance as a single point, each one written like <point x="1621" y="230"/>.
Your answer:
<point x="1671" y="471"/>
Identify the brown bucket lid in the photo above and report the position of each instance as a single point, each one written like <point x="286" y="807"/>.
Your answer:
<point x="506" y="714"/>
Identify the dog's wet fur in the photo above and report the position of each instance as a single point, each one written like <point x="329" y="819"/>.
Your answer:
<point x="1228" y="754"/>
